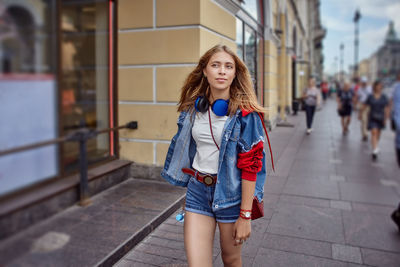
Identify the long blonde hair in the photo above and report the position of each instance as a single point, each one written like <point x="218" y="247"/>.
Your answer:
<point x="241" y="90"/>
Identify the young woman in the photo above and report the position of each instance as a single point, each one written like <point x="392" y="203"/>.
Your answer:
<point x="218" y="154"/>
<point x="378" y="105"/>
<point x="345" y="99"/>
<point x="311" y="98"/>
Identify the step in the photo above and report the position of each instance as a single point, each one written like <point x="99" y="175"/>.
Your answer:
<point x="96" y="235"/>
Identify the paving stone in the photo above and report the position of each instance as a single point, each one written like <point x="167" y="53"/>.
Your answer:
<point x="346" y="253"/>
<point x="337" y="178"/>
<point x="151" y="258"/>
<point x="380" y="258"/>
<point x="306" y="168"/>
<point x="166" y="243"/>
<point x="367" y="193"/>
<point x="162" y="251"/>
<point x="168" y="235"/>
<point x="370" y="230"/>
<point x="271" y="200"/>
<point x="274" y="258"/>
<point x="361" y="171"/>
<point x="129" y="263"/>
<point x="336" y="161"/>
<point x="274" y="184"/>
<point x="371" y="208"/>
<point x="311" y="188"/>
<point x="343" y="205"/>
<point x="297" y="245"/>
<point x="307" y="201"/>
<point x="246" y="261"/>
<point x="171" y="228"/>
<point x="323" y="224"/>
<point x="387" y="182"/>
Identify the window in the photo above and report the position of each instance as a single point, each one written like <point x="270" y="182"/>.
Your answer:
<point x="28" y="98"/>
<point x="56" y="62"/>
<point x="239" y="38"/>
<point x="252" y="7"/>
<point x="85" y="85"/>
<point x="250" y="52"/>
<point x="250" y="45"/>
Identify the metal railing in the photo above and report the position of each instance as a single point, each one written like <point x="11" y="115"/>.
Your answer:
<point x="81" y="136"/>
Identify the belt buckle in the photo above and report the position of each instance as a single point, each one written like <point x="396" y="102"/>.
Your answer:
<point x="208" y="180"/>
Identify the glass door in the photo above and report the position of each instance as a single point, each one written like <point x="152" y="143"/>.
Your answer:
<point x="86" y="77"/>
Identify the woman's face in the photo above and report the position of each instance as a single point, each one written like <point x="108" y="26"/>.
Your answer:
<point x="378" y="88"/>
<point x="311" y="83"/>
<point x="220" y="71"/>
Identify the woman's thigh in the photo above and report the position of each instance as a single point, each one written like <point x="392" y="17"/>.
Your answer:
<point x="230" y="252"/>
<point x="199" y="231"/>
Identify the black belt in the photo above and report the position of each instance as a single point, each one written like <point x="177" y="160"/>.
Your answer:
<point x="206" y="179"/>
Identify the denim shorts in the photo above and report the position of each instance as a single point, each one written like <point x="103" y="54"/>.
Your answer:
<point x="199" y="199"/>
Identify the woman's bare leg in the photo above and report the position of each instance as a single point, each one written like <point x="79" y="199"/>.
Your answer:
<point x="231" y="255"/>
<point x="374" y="138"/>
<point x="199" y="231"/>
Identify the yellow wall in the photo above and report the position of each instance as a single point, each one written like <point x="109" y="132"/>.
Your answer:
<point x="158" y="46"/>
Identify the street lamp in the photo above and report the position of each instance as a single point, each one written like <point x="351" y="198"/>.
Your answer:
<point x="357" y="16"/>
<point x="336" y="69"/>
<point x="341" y="61"/>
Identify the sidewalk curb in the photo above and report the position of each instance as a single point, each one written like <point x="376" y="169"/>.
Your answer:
<point x="132" y="241"/>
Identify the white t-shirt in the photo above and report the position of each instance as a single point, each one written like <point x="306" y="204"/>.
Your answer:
<point x="363" y="93"/>
<point x="207" y="153"/>
<point x="311" y="97"/>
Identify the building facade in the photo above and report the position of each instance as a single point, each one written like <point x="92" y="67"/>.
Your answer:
<point x="98" y="64"/>
<point x="389" y="55"/>
<point x="384" y="64"/>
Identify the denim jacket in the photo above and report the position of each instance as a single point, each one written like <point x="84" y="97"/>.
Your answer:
<point x="240" y="134"/>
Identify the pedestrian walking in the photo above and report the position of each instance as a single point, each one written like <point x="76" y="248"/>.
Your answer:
<point x="324" y="90"/>
<point x="311" y="99"/>
<point x="378" y="105"/>
<point x="395" y="108"/>
<point x="218" y="155"/>
<point x="345" y="99"/>
<point x="362" y="94"/>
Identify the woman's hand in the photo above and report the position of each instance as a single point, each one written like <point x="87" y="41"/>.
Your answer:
<point x="241" y="231"/>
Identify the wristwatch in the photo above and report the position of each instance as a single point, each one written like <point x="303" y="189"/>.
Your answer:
<point x="245" y="214"/>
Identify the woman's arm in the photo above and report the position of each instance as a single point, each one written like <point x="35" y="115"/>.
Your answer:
<point x="250" y="162"/>
<point x="242" y="229"/>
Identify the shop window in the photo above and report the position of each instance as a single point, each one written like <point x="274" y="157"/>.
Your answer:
<point x="85" y="85"/>
<point x="28" y="92"/>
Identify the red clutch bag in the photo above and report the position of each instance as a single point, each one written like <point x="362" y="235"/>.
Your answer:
<point x="257" y="209"/>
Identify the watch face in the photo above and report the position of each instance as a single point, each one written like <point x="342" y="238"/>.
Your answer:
<point x="247" y="214"/>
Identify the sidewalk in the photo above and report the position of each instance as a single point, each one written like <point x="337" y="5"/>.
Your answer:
<point x="326" y="205"/>
<point x="98" y="234"/>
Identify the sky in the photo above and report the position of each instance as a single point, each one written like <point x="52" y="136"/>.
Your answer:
<point x="337" y="17"/>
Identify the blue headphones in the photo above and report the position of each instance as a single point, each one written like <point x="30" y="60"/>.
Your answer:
<point x="219" y="107"/>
